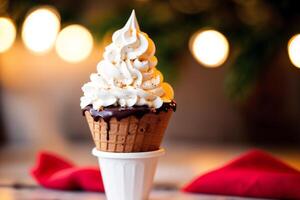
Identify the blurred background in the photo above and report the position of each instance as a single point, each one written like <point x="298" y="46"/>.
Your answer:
<point x="234" y="66"/>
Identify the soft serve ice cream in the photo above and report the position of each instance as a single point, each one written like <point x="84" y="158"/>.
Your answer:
<point x="127" y="74"/>
<point x="126" y="104"/>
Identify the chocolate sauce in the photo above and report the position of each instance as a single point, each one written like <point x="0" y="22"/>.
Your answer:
<point x="122" y="112"/>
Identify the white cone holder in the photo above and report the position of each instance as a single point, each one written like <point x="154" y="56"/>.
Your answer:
<point x="128" y="176"/>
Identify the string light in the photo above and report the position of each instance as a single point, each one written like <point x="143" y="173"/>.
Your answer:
<point x="209" y="47"/>
<point x="7" y="34"/>
<point x="294" y="50"/>
<point x="74" y="43"/>
<point x="40" y="29"/>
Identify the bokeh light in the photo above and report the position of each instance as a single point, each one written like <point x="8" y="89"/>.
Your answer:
<point x="7" y="34"/>
<point x="294" y="50"/>
<point x="74" y="43"/>
<point x="40" y="29"/>
<point x="209" y="47"/>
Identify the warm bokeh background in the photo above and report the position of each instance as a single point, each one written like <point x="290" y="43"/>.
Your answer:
<point x="240" y="88"/>
<point x="234" y="66"/>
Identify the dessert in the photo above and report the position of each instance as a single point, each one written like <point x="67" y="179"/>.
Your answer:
<point x="126" y="103"/>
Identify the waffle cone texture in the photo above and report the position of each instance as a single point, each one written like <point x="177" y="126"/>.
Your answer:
<point x="129" y="134"/>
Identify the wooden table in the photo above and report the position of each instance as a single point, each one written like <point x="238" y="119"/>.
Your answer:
<point x="180" y="165"/>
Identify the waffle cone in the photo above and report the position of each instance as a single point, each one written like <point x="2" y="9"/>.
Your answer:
<point x="129" y="134"/>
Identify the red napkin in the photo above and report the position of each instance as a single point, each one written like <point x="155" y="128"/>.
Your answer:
<point x="52" y="171"/>
<point x="255" y="174"/>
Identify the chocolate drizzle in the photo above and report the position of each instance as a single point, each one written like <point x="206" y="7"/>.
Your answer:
<point x="122" y="112"/>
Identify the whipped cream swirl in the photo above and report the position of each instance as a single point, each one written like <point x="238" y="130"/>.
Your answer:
<point x="127" y="75"/>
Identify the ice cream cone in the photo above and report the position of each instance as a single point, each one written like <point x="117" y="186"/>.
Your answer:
<point x="129" y="134"/>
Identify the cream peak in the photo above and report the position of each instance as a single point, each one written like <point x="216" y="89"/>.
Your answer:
<point x="132" y="22"/>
